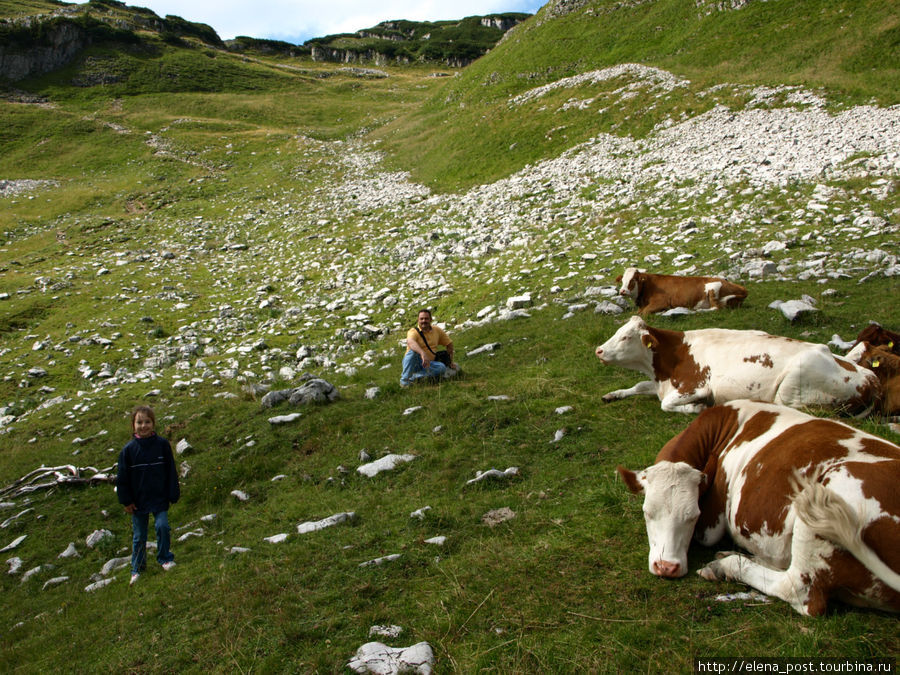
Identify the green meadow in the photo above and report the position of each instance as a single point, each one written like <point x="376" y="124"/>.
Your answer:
<point x="230" y="163"/>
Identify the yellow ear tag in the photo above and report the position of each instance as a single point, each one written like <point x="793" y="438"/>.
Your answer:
<point x="891" y="344"/>
<point x="647" y="343"/>
<point x="876" y="363"/>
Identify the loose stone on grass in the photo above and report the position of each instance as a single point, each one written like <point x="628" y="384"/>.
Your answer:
<point x="380" y="561"/>
<point x="497" y="516"/>
<point x="330" y="521"/>
<point x="494" y="474"/>
<point x="386" y="463"/>
<point x="14" y="543"/>
<point x="376" y="657"/>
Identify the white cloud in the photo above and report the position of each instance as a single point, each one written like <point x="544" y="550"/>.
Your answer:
<point x="299" y="20"/>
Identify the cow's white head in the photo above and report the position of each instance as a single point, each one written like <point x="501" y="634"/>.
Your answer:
<point x="630" y="282"/>
<point x="630" y="347"/>
<point x="671" y="493"/>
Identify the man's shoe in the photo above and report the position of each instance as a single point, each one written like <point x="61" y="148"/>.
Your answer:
<point x="168" y="565"/>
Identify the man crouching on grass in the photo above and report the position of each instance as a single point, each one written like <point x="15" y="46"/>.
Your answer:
<point x="423" y="357"/>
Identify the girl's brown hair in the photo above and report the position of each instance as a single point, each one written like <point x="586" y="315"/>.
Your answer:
<point x="147" y="411"/>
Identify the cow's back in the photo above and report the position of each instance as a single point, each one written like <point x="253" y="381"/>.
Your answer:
<point x="772" y="444"/>
<point x="755" y="365"/>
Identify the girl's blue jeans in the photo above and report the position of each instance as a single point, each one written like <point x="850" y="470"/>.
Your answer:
<point x="413" y="370"/>
<point x="139" y="524"/>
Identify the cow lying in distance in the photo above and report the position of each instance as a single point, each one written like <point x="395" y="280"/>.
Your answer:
<point x="886" y="366"/>
<point x="659" y="292"/>
<point x="814" y="501"/>
<point x="876" y="335"/>
<point x="691" y="370"/>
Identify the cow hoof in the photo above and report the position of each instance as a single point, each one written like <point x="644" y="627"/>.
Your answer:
<point x="712" y="572"/>
<point x="608" y="398"/>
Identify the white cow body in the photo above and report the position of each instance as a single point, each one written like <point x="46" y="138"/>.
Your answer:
<point x="691" y="370"/>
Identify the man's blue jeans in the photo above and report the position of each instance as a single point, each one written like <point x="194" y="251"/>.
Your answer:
<point x="140" y="523"/>
<point x="413" y="370"/>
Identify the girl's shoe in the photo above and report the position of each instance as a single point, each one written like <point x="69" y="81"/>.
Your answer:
<point x="134" y="578"/>
<point x="168" y="565"/>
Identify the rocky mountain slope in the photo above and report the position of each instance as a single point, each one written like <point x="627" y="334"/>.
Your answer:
<point x="770" y="192"/>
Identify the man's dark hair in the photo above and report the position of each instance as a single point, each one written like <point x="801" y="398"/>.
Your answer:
<point x="427" y="311"/>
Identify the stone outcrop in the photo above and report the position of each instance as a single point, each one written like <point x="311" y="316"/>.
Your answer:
<point x="62" y="42"/>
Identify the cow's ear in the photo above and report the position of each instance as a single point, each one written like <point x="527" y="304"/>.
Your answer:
<point x="649" y="341"/>
<point x="619" y="279"/>
<point x="631" y="480"/>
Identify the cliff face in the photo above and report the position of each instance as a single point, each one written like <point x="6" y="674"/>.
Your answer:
<point x="60" y="43"/>
<point x="453" y="43"/>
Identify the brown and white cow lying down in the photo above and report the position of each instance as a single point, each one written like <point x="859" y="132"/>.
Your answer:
<point x="885" y="363"/>
<point x="691" y="370"/>
<point x="659" y="292"/>
<point x="813" y="500"/>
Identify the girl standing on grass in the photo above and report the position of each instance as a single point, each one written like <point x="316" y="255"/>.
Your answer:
<point x="147" y="483"/>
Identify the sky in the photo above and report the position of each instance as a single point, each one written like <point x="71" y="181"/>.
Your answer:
<point x="296" y="21"/>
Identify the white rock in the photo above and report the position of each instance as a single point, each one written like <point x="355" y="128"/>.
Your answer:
<point x="372" y="392"/>
<point x="793" y="309"/>
<point x="386" y="631"/>
<point x="240" y="495"/>
<point x="55" y="581"/>
<point x="493" y="473"/>
<point x="276" y="538"/>
<point x="562" y="410"/>
<point x="14" y="544"/>
<point x="192" y="533"/>
<point x="607" y="307"/>
<point x="386" y="463"/>
<point x="96" y="537"/>
<point x="183" y="446"/>
<point x="488" y="348"/>
<point x="330" y="521"/>
<point x="437" y="541"/>
<point x="70" y="552"/>
<point x="284" y="419"/>
<point x="415" y="408"/>
<point x="114" y="564"/>
<point x="420" y="513"/>
<point x="15" y="564"/>
<point x="97" y="585"/>
<point x="838" y="343"/>
<point x="378" y="658"/>
<point x="380" y="561"/>
<point x="519" y="301"/>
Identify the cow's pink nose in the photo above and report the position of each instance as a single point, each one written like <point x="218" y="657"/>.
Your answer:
<point x="599" y="352"/>
<point x="664" y="568"/>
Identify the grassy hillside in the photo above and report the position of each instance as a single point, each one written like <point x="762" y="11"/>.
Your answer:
<point x="850" y="49"/>
<point x="226" y="214"/>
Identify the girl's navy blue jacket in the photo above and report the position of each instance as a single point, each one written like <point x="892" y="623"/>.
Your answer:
<point x="147" y="476"/>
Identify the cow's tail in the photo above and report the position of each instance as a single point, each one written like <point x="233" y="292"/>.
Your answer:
<point x="829" y="516"/>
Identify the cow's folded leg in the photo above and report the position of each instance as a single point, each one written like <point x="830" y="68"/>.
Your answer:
<point x="647" y="388"/>
<point x="799" y="585"/>
<point x="692" y="403"/>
